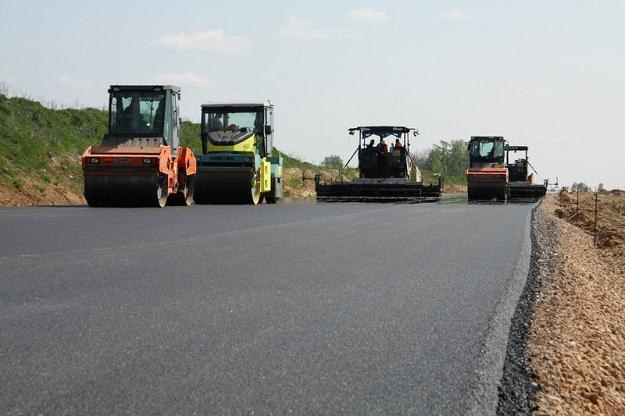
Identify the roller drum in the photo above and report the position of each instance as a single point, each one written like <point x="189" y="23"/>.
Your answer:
<point x="125" y="191"/>
<point x="486" y="190"/>
<point x="226" y="185"/>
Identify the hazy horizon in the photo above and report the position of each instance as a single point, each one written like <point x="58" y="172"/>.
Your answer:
<point x="544" y="75"/>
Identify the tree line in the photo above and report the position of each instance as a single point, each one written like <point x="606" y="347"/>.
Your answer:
<point x="448" y="158"/>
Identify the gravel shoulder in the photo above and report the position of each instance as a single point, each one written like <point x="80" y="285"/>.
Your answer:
<point x="576" y="335"/>
<point x="518" y="386"/>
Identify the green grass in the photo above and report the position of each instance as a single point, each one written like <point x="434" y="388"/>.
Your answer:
<point x="35" y="141"/>
<point x="190" y="136"/>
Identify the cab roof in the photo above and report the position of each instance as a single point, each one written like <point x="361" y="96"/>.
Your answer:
<point x="487" y="137"/>
<point x="238" y="105"/>
<point x="144" y="88"/>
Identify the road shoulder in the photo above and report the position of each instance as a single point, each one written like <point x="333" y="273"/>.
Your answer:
<point x="576" y="343"/>
<point x="565" y="352"/>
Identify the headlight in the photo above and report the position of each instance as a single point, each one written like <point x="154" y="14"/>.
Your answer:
<point x="147" y="161"/>
<point x="94" y="160"/>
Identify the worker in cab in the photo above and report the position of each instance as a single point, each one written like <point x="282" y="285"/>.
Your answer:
<point x="382" y="147"/>
<point x="371" y="144"/>
<point x="134" y="119"/>
<point x="398" y="144"/>
<point x="215" y="122"/>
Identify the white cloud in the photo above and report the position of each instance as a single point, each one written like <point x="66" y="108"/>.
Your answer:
<point x="70" y="81"/>
<point x="187" y="79"/>
<point x="368" y="15"/>
<point x="454" y="14"/>
<point x="301" y="29"/>
<point x="207" y="40"/>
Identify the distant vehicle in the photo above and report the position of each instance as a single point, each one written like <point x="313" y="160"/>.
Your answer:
<point x="491" y="176"/>
<point x="387" y="174"/>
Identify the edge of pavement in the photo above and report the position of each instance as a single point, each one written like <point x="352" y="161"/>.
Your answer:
<point x="484" y="395"/>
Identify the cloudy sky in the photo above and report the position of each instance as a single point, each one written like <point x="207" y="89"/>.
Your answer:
<point x="549" y="74"/>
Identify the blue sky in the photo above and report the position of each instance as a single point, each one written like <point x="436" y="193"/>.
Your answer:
<point x="549" y="74"/>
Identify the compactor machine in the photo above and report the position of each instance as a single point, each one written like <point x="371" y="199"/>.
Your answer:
<point x="487" y="175"/>
<point x="520" y="185"/>
<point x="140" y="161"/>
<point x="387" y="172"/>
<point x="237" y="165"/>
<point x="492" y="177"/>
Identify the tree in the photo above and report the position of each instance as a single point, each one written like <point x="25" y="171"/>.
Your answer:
<point x="422" y="159"/>
<point x="580" y="187"/>
<point x="332" y="162"/>
<point x="450" y="159"/>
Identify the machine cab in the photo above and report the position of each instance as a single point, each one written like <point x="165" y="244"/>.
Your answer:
<point x="484" y="150"/>
<point x="229" y="127"/>
<point x="146" y="115"/>
<point x="518" y="169"/>
<point x="389" y="157"/>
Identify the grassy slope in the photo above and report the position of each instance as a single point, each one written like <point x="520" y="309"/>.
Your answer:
<point x="42" y="147"/>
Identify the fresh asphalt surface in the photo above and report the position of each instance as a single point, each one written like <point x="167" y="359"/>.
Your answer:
<point x="293" y="308"/>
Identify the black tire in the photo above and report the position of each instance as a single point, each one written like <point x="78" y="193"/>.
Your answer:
<point x="255" y="197"/>
<point x="161" y="196"/>
<point x="184" y="197"/>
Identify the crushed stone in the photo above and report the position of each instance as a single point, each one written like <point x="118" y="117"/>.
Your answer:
<point x="576" y="341"/>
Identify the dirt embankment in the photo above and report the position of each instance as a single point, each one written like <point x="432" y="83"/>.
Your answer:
<point x="577" y="334"/>
<point x="610" y="236"/>
<point x="299" y="184"/>
<point x="33" y="195"/>
<point x="454" y="188"/>
<point x="52" y="186"/>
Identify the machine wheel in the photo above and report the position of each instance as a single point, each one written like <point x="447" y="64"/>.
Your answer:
<point x="184" y="197"/>
<point x="161" y="192"/>
<point x="94" y="202"/>
<point x="190" y="190"/>
<point x="91" y="194"/>
<point x="255" y="196"/>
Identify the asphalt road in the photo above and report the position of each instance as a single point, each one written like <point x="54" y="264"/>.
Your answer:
<point x="287" y="309"/>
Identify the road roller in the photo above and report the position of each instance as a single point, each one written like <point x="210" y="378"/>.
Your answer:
<point x="386" y="173"/>
<point x="492" y="177"/>
<point x="238" y="164"/>
<point x="140" y="161"/>
<point x="487" y="175"/>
